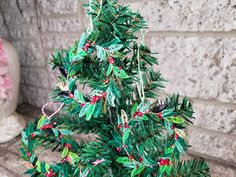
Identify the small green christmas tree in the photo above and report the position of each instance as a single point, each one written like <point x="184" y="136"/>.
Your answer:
<point x="134" y="136"/>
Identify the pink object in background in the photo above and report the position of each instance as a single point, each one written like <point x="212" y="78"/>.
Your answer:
<point x="5" y="80"/>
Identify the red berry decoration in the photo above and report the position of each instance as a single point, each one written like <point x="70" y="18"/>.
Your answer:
<point x="120" y="67"/>
<point x="82" y="104"/>
<point x="126" y="125"/>
<point x="95" y="99"/>
<point x="176" y="136"/>
<point x="28" y="154"/>
<point x="104" y="94"/>
<point x="46" y="126"/>
<point x="85" y="49"/>
<point x="118" y="149"/>
<point x="111" y="60"/>
<point x="135" y="114"/>
<point x="163" y="162"/>
<point x="106" y="81"/>
<point x="131" y="157"/>
<point x="71" y="95"/>
<point x="160" y="115"/>
<point x="140" y="114"/>
<point x="175" y="115"/>
<point x="32" y="135"/>
<point x="119" y="126"/>
<point x="141" y="159"/>
<point x="49" y="173"/>
<point x="68" y="146"/>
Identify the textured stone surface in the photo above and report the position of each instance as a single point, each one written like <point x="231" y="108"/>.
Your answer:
<point x="52" y="74"/>
<point x="60" y="24"/>
<point x="58" y="41"/>
<point x="34" y="95"/>
<point x="14" y="163"/>
<point x="50" y="7"/>
<point x="5" y="5"/>
<point x="46" y="155"/>
<point x="21" y="13"/>
<point x="5" y="173"/>
<point x="218" y="170"/>
<point x="3" y="29"/>
<point x="215" y="117"/>
<point x="26" y="4"/>
<point x="215" y="145"/>
<point x="30" y="53"/>
<point x="15" y="17"/>
<point x="11" y="126"/>
<point x="29" y="76"/>
<point x="23" y="33"/>
<point x="198" y="66"/>
<point x="179" y="15"/>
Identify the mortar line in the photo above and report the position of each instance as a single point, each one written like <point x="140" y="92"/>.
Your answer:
<point x="34" y="86"/>
<point x="63" y="33"/>
<point x="214" y="102"/>
<point x="211" y="132"/>
<point x="216" y="34"/>
<point x="211" y="101"/>
<point x="39" y="34"/>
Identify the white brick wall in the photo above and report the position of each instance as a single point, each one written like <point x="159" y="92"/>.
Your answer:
<point x="196" y="41"/>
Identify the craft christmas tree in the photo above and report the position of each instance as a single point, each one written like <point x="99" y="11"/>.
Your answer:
<point x="136" y="133"/>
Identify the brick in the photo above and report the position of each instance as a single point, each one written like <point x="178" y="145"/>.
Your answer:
<point x="215" y="117"/>
<point x="214" y="145"/>
<point x="60" y="24"/>
<point x="177" y="15"/>
<point x="58" y="7"/>
<point x="29" y="75"/>
<point x="5" y="4"/>
<point x="23" y="12"/>
<point x="28" y="16"/>
<point x="218" y="170"/>
<point x="58" y="41"/>
<point x="34" y="95"/>
<point x="26" y="4"/>
<point x="202" y="67"/>
<point x="29" y="32"/>
<point x="30" y="53"/>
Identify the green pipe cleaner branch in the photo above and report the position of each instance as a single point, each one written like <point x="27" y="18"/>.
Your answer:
<point x="133" y="136"/>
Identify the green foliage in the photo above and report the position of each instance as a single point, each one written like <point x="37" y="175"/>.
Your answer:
<point x="132" y="136"/>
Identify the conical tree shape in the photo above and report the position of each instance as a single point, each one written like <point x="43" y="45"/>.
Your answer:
<point x="134" y="136"/>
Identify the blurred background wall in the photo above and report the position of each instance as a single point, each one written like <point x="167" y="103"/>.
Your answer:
<point x="196" y="41"/>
